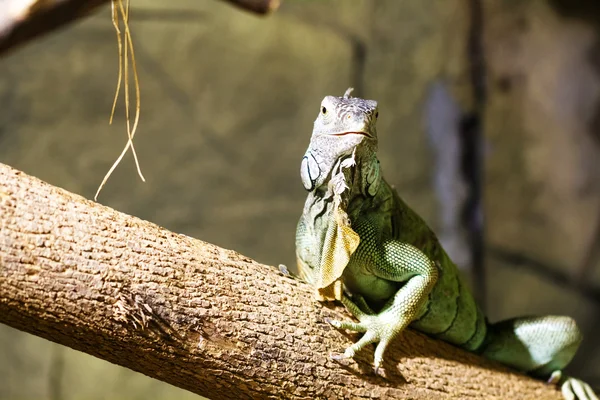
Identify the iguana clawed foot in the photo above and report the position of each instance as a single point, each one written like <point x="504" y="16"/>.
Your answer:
<point x="572" y="388"/>
<point x="378" y="328"/>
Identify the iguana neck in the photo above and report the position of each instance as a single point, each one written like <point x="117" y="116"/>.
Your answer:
<point x="352" y="176"/>
<point x="362" y="177"/>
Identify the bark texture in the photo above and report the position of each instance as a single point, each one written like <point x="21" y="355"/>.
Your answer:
<point x="203" y="318"/>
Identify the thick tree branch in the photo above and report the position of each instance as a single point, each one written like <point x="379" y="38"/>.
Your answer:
<point x="200" y="317"/>
<point x="23" y="20"/>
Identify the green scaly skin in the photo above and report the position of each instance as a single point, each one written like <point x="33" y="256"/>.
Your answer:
<point x="397" y="272"/>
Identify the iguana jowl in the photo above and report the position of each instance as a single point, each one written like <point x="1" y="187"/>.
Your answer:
<point x="355" y="231"/>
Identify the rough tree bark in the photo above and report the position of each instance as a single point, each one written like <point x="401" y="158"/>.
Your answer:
<point x="203" y="318"/>
<point x="23" y="20"/>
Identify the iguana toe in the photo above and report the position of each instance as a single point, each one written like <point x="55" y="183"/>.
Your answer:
<point x="573" y="388"/>
<point x="351" y="351"/>
<point x="349" y="325"/>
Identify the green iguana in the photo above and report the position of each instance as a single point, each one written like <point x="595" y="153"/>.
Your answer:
<point x="357" y="236"/>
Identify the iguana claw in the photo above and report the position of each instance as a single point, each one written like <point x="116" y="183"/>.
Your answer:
<point x="284" y="270"/>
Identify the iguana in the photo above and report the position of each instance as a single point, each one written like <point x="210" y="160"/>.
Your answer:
<point x="357" y="236"/>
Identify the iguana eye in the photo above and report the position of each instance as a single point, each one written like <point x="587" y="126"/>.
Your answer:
<point x="323" y="110"/>
<point x="377" y="115"/>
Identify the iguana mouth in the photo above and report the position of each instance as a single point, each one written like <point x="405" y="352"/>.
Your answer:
<point x="351" y="133"/>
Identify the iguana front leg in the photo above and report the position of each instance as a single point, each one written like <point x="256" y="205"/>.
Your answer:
<point x="391" y="261"/>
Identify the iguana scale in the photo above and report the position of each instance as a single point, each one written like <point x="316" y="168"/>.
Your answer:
<point x="356" y="235"/>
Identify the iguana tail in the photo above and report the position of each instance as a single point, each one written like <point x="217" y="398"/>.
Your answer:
<point x="538" y="346"/>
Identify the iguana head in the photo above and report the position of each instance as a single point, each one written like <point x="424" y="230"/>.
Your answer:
<point x="344" y="124"/>
<point x="346" y="116"/>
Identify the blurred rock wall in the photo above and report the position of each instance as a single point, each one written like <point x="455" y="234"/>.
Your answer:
<point x="228" y="101"/>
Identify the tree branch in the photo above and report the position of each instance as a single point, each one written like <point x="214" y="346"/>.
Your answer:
<point x="23" y="20"/>
<point x="200" y="317"/>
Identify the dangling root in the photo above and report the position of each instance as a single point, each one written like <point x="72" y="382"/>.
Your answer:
<point x="125" y="51"/>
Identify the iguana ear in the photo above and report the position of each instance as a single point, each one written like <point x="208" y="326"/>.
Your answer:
<point x="340" y="243"/>
<point x="309" y="171"/>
